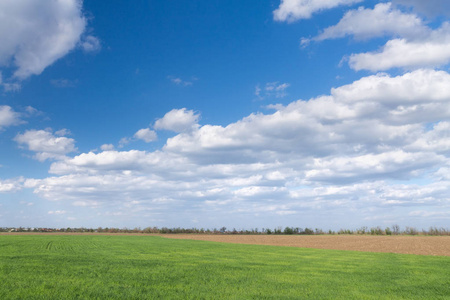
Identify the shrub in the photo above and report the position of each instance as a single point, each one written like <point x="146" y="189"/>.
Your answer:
<point x="308" y="231"/>
<point x="288" y="230"/>
<point x="395" y="229"/>
<point x="411" y="231"/>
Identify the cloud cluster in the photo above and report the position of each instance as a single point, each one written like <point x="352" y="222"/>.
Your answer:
<point x="350" y="149"/>
<point x="414" y="44"/>
<point x="45" y="144"/>
<point x="11" y="185"/>
<point x="376" y="147"/>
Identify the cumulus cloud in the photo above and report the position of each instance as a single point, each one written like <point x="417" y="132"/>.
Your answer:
<point x="8" y="117"/>
<point x="35" y="33"/>
<point x="178" y="120"/>
<point x="414" y="44"/>
<point x="45" y="144"/>
<point x="146" y="134"/>
<point x="11" y="185"/>
<point x="383" y="19"/>
<point x="433" y="51"/>
<point x="346" y="151"/>
<point x="293" y="10"/>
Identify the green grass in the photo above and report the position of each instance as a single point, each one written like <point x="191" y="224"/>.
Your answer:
<point x="148" y="267"/>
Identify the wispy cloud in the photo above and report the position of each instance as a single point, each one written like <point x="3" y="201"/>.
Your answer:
<point x="90" y="44"/>
<point x="63" y="83"/>
<point x="182" y="82"/>
<point x="293" y="10"/>
<point x="271" y="89"/>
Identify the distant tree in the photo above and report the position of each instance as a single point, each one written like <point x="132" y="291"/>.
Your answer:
<point x="288" y="230"/>
<point x="411" y="230"/>
<point x="308" y="231"/>
<point x="396" y="229"/>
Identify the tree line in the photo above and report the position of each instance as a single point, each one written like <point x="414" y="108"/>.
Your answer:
<point x="393" y="230"/>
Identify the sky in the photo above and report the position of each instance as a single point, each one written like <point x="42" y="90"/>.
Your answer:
<point x="242" y="113"/>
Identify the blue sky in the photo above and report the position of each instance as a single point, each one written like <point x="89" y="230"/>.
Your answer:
<point x="326" y="114"/>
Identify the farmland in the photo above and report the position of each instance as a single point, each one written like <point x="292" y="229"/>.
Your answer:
<point x="152" y="267"/>
<point x="423" y="245"/>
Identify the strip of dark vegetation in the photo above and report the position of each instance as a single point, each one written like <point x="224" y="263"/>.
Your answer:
<point x="393" y="230"/>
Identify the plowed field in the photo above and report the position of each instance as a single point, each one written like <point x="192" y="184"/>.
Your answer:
<point x="423" y="245"/>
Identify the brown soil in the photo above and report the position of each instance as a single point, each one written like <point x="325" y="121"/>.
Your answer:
<point x="423" y="245"/>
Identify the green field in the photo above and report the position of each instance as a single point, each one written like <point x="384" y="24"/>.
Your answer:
<point x="149" y="267"/>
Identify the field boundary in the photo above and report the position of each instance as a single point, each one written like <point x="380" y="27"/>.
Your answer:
<point x="421" y="245"/>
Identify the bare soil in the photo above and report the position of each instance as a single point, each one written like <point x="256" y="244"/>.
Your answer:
<point x="422" y="245"/>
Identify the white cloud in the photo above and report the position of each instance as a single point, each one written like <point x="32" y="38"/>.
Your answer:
<point x="8" y="117"/>
<point x="181" y="82"/>
<point x="45" y="144"/>
<point x="178" y="120"/>
<point x="56" y="212"/>
<point x="380" y="21"/>
<point x="414" y="46"/>
<point x="31" y="111"/>
<point x="11" y="185"/>
<point x="410" y="51"/>
<point x="272" y="89"/>
<point x="124" y="141"/>
<point x="117" y="161"/>
<point x="403" y="53"/>
<point x="396" y="164"/>
<point x="90" y="44"/>
<point x="436" y="140"/>
<point x="293" y="10"/>
<point x="107" y="147"/>
<point x="146" y="134"/>
<point x="35" y="33"/>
